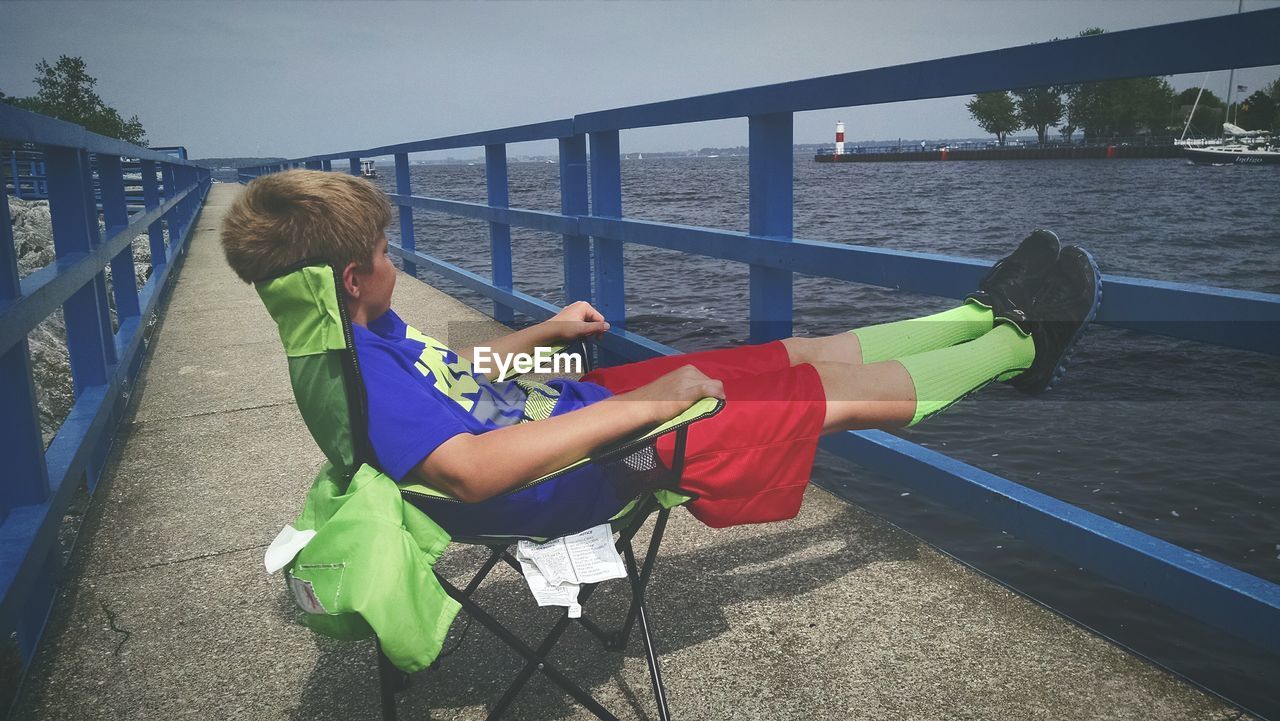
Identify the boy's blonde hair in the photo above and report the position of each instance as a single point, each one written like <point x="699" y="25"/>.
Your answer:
<point x="287" y="217"/>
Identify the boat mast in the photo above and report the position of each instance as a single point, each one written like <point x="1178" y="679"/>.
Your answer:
<point x="1231" y="77"/>
<point x="1194" y="106"/>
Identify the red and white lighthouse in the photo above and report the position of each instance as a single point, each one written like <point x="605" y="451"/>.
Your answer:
<point x="839" y="137"/>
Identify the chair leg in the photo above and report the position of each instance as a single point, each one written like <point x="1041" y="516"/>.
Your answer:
<point x="651" y="654"/>
<point x="495" y="554"/>
<point x="637" y="599"/>
<point x="391" y="680"/>
<point x="535" y="660"/>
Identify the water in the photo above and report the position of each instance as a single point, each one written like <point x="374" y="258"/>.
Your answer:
<point x="1170" y="437"/>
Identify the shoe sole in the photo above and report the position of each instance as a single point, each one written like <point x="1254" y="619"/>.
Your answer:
<point x="1061" y="369"/>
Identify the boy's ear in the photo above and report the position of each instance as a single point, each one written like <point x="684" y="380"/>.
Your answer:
<point x="351" y="280"/>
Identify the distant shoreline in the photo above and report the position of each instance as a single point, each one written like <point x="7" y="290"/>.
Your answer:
<point x="1122" y="151"/>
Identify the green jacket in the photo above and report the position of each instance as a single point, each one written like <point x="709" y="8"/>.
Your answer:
<point x="368" y="569"/>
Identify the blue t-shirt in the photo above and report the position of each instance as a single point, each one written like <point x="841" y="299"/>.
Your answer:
<point x="421" y="394"/>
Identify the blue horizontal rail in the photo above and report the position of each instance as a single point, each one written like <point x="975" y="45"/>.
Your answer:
<point x="86" y="177"/>
<point x="594" y="231"/>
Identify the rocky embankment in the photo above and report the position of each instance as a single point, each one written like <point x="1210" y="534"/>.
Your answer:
<point x="33" y="240"/>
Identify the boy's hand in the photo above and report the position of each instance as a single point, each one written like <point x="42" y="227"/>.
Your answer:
<point x="669" y="395"/>
<point x="578" y="320"/>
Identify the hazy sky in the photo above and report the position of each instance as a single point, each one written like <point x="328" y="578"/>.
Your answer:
<point x="295" y="79"/>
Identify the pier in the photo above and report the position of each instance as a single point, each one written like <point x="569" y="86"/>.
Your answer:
<point x="1028" y="152"/>
<point x="186" y="447"/>
<point x="170" y="614"/>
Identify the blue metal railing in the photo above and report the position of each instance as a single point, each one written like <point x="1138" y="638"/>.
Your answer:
<point x="594" y="231"/>
<point x="25" y="175"/>
<point x="39" y="483"/>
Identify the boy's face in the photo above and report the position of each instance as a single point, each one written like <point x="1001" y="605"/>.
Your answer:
<point x="375" y="284"/>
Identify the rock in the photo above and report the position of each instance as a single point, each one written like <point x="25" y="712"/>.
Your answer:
<point x="50" y="367"/>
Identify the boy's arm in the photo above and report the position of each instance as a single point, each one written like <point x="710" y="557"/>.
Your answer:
<point x="473" y="468"/>
<point x="575" y="321"/>
<point x="524" y="340"/>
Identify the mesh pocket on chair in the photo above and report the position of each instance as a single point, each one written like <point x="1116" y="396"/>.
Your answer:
<point x="641" y="471"/>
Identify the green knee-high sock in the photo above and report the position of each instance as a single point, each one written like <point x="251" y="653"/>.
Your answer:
<point x="889" y="341"/>
<point x="946" y="375"/>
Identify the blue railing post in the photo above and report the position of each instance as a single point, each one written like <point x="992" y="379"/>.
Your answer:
<point x="99" y="280"/>
<point x="187" y="176"/>
<point x="573" y="202"/>
<point x="186" y="211"/>
<point x="151" y="199"/>
<point x="355" y="164"/>
<point x="404" y="186"/>
<point x="26" y="477"/>
<point x="115" y="214"/>
<point x="495" y="171"/>
<point x="70" y="217"/>
<point x="771" y="174"/>
<point x="326" y="165"/>
<point x="169" y="186"/>
<point x="13" y="173"/>
<point x="606" y="202"/>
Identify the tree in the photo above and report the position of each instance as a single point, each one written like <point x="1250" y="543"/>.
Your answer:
<point x="1039" y="108"/>
<point x="1209" y="112"/>
<point x="1121" y="108"/>
<point x="1257" y="112"/>
<point x="995" y="113"/>
<point x="67" y="93"/>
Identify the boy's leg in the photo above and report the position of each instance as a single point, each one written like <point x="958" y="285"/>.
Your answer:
<point x="1005" y="292"/>
<point x="905" y="391"/>
<point x="751" y="462"/>
<point x="722" y="364"/>
<point x="898" y="339"/>
<point x="1031" y="355"/>
<point x="864" y="345"/>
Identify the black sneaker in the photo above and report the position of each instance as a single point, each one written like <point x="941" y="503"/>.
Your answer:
<point x="1009" y="290"/>
<point x="1068" y="300"/>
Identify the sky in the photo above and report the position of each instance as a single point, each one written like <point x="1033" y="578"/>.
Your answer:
<point x="293" y="79"/>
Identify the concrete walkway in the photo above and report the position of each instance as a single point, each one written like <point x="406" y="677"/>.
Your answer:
<point x="169" y="615"/>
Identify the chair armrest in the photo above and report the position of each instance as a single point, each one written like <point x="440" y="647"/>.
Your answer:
<point x="579" y="347"/>
<point x="701" y="409"/>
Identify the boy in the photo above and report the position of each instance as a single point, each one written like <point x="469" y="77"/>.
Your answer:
<point x="432" y="419"/>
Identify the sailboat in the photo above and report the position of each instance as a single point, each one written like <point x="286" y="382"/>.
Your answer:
<point x="1239" y="147"/>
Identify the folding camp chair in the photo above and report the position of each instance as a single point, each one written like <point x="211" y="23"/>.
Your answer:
<point x="325" y="375"/>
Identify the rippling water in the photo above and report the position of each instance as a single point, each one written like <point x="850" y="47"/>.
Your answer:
<point x="1170" y="437"/>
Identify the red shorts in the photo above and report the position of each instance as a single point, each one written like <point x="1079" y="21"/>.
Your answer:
<point x="750" y="462"/>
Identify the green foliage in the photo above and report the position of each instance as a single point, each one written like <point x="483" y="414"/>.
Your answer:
<point x="1118" y="108"/>
<point x="1257" y="112"/>
<point x="1121" y="108"/>
<point x="67" y="93"/>
<point x="1039" y="108"/>
<point x="1207" y="99"/>
<point x="995" y="113"/>
<point x="1273" y="91"/>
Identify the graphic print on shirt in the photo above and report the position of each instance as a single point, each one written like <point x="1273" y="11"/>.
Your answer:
<point x="501" y="404"/>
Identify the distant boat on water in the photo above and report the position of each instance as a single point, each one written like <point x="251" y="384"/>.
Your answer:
<point x="366" y="169"/>
<point x="1239" y="147"/>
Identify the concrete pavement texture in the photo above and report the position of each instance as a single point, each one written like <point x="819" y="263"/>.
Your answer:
<point x="168" y="614"/>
